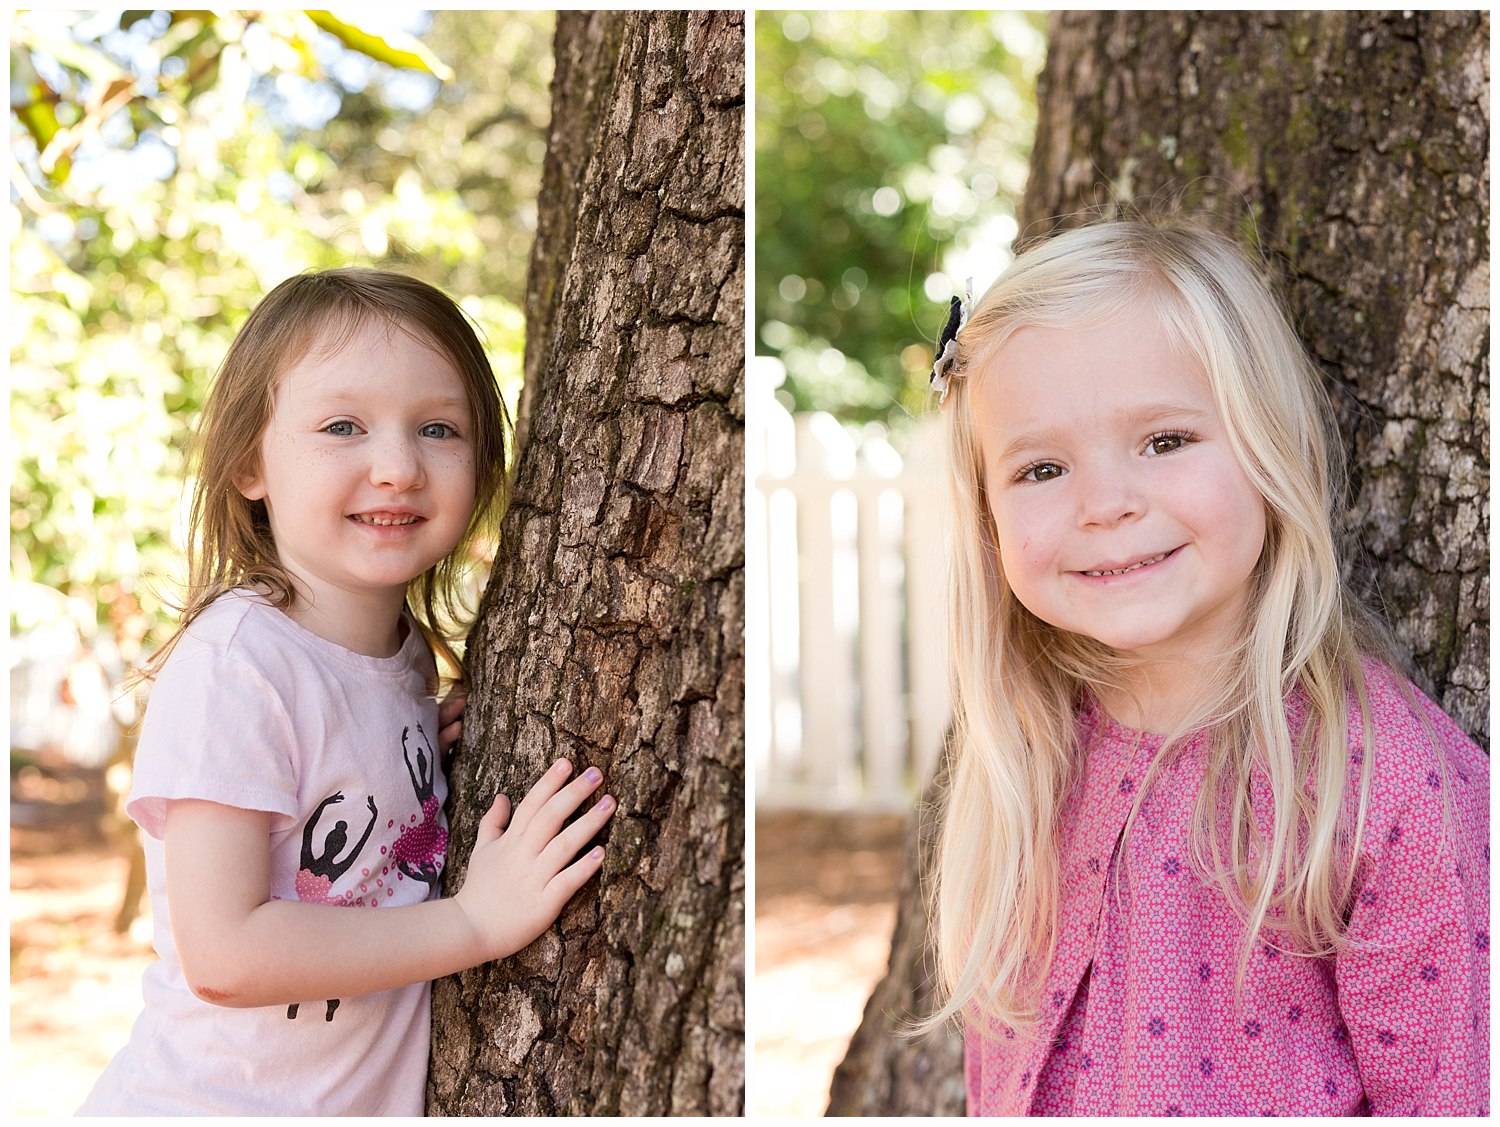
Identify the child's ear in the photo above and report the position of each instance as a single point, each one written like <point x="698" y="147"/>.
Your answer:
<point x="250" y="483"/>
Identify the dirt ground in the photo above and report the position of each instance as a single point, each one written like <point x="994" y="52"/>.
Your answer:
<point x="824" y="911"/>
<point x="823" y="918"/>
<point x="75" y="984"/>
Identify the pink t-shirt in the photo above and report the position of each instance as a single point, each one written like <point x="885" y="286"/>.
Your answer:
<point x="1139" y="1014"/>
<point x="255" y="712"/>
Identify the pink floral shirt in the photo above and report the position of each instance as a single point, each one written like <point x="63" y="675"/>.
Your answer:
<point x="1139" y="1015"/>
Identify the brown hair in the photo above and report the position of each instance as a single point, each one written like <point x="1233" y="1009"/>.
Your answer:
<point x="229" y="536"/>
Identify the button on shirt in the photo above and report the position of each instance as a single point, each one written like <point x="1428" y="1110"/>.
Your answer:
<point x="1139" y="1014"/>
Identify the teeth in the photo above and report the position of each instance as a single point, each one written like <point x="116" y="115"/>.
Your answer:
<point x="385" y="522"/>
<point x="1132" y="567"/>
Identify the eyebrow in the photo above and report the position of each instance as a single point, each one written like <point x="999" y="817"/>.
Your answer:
<point x="1145" y="416"/>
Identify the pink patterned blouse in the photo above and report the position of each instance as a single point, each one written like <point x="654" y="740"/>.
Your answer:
<point x="1139" y="1015"/>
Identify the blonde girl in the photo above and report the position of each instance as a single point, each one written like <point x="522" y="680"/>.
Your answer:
<point x="287" y="775"/>
<point x="1204" y="851"/>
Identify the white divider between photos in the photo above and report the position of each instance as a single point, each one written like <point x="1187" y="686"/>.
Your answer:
<point x="846" y="682"/>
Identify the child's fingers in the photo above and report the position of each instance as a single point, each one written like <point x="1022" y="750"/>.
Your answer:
<point x="492" y="825"/>
<point x="452" y="708"/>
<point x="543" y="790"/>
<point x="448" y="736"/>
<point x="565" y="845"/>
<point x="575" y="876"/>
<point x="450" y="720"/>
<point x="547" y="821"/>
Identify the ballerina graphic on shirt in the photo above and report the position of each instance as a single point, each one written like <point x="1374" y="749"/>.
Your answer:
<point x="319" y="870"/>
<point x="421" y="847"/>
<point x="418" y="852"/>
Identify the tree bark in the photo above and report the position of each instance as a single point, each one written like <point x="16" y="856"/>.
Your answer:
<point x="886" y="1071"/>
<point x="611" y="630"/>
<point x="1350" y="149"/>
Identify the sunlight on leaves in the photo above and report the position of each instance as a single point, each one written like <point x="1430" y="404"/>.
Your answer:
<point x="165" y="176"/>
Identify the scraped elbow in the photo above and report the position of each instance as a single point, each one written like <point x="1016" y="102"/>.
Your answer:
<point x="215" y="996"/>
<point x="216" y="982"/>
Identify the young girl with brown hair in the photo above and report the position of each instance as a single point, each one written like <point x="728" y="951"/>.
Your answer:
<point x="287" y="776"/>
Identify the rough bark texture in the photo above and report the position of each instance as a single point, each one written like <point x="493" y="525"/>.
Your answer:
<point x="1351" y="150"/>
<point x="611" y="630"/>
<point x="886" y="1072"/>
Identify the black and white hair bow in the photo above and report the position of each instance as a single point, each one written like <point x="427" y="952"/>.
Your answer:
<point x="947" y="345"/>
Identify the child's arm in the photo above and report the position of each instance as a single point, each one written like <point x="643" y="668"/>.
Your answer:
<point x="239" y="947"/>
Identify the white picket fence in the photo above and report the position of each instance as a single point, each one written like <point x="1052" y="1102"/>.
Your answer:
<point x="846" y="682"/>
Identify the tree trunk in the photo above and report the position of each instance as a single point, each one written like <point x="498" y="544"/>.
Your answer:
<point x="611" y="629"/>
<point x="886" y="1071"/>
<point x="1351" y="150"/>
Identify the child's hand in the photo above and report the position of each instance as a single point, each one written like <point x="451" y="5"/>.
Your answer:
<point x="450" y="719"/>
<point x="521" y="875"/>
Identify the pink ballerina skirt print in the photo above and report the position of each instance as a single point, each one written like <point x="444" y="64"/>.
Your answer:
<point x="417" y="851"/>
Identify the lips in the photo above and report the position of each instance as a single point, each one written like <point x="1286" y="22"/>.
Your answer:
<point x="1125" y="569"/>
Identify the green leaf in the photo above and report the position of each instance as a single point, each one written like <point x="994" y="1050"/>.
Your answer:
<point x="400" y="51"/>
<point x="40" y="121"/>
<point x="39" y="114"/>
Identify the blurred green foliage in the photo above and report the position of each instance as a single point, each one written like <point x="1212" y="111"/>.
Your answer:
<point x="890" y="148"/>
<point x="167" y="170"/>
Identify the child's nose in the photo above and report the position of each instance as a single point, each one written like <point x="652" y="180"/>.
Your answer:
<point x="1107" y="495"/>
<point x="395" y="463"/>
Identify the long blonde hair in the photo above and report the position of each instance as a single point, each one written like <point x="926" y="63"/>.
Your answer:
<point x="229" y="537"/>
<point x="1018" y="681"/>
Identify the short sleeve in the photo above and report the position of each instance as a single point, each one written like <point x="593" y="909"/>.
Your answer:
<point x="215" y="729"/>
<point x="1413" y="986"/>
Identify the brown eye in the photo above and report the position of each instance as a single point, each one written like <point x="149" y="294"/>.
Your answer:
<point x="1042" y="471"/>
<point x="1166" y="443"/>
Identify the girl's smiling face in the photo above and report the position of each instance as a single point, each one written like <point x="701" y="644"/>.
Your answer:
<point x="1120" y="508"/>
<point x="366" y="470"/>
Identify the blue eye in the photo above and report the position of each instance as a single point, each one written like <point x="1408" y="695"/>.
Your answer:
<point x="342" y="429"/>
<point x="438" y="430"/>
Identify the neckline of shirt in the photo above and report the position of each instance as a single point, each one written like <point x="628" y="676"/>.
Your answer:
<point x="283" y="623"/>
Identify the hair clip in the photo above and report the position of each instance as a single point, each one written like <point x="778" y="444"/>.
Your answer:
<point x="947" y="345"/>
